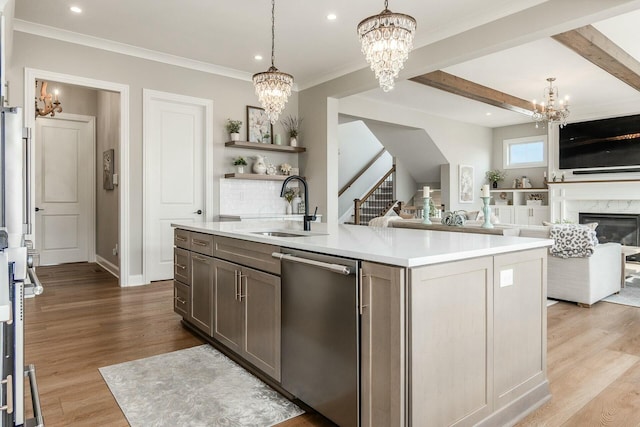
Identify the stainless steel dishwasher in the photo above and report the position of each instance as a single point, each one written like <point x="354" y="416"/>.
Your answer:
<point x="320" y="333"/>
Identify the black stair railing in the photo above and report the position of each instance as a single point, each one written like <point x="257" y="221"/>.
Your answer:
<point x="377" y="201"/>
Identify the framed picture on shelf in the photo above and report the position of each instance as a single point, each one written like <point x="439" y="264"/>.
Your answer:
<point x="465" y="183"/>
<point x="259" y="128"/>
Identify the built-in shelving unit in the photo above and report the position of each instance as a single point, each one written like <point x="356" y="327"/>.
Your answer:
<point x="511" y="205"/>
<point x="266" y="147"/>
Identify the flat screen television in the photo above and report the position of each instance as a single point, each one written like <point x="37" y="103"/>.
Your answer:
<point x="607" y="143"/>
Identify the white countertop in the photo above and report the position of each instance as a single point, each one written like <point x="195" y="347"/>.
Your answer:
<point x="394" y="246"/>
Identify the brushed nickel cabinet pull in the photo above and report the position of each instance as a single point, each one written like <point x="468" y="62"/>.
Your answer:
<point x="9" y="406"/>
<point x="181" y="239"/>
<point x="362" y="304"/>
<point x="200" y="243"/>
<point x="184" y="267"/>
<point x="242" y="276"/>
<point x="180" y="300"/>
<point x="235" y="284"/>
<point x="198" y="258"/>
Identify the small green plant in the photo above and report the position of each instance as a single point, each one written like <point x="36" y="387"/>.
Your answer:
<point x="239" y="161"/>
<point x="292" y="125"/>
<point x="289" y="194"/>
<point x="233" y="126"/>
<point x="495" y="175"/>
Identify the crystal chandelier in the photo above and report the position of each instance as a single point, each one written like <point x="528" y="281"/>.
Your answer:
<point x="50" y="105"/>
<point x="552" y="109"/>
<point x="387" y="39"/>
<point x="273" y="87"/>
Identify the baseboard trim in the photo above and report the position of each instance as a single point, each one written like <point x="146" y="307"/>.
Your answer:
<point x="518" y="409"/>
<point x="109" y="266"/>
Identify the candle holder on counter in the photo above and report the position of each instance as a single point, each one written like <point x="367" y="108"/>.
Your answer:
<point x="487" y="212"/>
<point x="426" y="210"/>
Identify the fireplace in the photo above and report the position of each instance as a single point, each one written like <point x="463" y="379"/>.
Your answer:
<point x="618" y="228"/>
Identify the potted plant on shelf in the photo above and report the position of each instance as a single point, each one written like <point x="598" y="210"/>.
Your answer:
<point x="292" y="125"/>
<point x="233" y="127"/>
<point x="494" y="176"/>
<point x="239" y="163"/>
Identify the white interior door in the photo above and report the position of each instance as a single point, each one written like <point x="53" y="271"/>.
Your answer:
<point x="175" y="138"/>
<point x="64" y="189"/>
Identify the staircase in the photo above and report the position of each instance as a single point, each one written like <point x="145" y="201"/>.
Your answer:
<point x="377" y="202"/>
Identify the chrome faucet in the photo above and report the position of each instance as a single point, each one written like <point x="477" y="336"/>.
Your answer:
<point x="307" y="218"/>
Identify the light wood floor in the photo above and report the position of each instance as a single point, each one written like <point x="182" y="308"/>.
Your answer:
<point x="84" y="321"/>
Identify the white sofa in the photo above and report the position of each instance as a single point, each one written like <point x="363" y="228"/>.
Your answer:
<point x="581" y="280"/>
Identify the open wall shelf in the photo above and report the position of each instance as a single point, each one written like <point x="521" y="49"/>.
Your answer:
<point x="255" y="176"/>
<point x="266" y="147"/>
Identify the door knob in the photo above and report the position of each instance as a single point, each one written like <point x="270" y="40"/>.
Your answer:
<point x="199" y="212"/>
<point x="38" y="209"/>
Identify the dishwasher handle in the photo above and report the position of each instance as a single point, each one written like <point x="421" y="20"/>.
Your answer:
<point x="336" y="268"/>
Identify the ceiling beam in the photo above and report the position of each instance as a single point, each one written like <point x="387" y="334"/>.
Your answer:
<point x="595" y="47"/>
<point x="468" y="89"/>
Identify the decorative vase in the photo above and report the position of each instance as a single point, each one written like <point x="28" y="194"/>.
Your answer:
<point x="259" y="166"/>
<point x="289" y="209"/>
<point x="295" y="203"/>
<point x="495" y="184"/>
<point x="240" y="168"/>
<point x="235" y="136"/>
<point x="278" y="139"/>
<point x="293" y="141"/>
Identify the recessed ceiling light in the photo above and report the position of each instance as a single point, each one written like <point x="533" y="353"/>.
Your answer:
<point x="488" y="114"/>
<point x="332" y="17"/>
<point x="258" y="57"/>
<point x="75" y="9"/>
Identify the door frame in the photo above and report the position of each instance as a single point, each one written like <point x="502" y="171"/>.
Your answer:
<point x="149" y="95"/>
<point x="30" y="77"/>
<point x="91" y="121"/>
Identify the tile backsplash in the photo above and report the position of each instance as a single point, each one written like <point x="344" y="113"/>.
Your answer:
<point x="251" y="197"/>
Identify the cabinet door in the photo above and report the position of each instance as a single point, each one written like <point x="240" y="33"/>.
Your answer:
<point x="228" y="309"/>
<point x="382" y="345"/>
<point x="201" y="296"/>
<point x="539" y="214"/>
<point x="522" y="214"/>
<point x="519" y="323"/>
<point x="260" y="293"/>
<point x="504" y="214"/>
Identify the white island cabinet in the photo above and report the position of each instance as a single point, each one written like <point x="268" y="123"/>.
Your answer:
<point x="453" y="325"/>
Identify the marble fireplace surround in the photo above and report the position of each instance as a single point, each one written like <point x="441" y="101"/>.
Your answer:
<point x="568" y="199"/>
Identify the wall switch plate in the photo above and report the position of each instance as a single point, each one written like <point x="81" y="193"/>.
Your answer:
<point x="506" y="278"/>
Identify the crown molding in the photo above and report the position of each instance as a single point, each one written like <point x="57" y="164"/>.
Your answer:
<point x="126" y="49"/>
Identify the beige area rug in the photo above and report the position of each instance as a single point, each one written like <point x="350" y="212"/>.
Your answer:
<point x="630" y="294"/>
<point x="198" y="386"/>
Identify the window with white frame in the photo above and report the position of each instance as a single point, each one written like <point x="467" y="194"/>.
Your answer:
<point x="527" y="152"/>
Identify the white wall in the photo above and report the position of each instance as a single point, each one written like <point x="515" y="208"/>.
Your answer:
<point x="230" y="97"/>
<point x="460" y="143"/>
<point x="511" y="132"/>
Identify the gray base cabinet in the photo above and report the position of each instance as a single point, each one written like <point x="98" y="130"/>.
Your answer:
<point x="247" y="314"/>
<point x="201" y="297"/>
<point x="382" y="360"/>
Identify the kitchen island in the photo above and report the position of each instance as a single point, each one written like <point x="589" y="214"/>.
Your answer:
<point x="452" y="326"/>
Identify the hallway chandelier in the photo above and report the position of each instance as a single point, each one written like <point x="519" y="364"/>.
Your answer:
<point x="49" y="104"/>
<point x="273" y="87"/>
<point x="387" y="39"/>
<point x="552" y="109"/>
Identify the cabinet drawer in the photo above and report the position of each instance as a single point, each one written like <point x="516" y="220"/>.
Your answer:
<point x="181" y="238"/>
<point x="251" y="254"/>
<point x="182" y="265"/>
<point x="202" y="243"/>
<point x="180" y="298"/>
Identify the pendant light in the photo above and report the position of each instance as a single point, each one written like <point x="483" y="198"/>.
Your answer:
<point x="273" y="87"/>
<point x="387" y="39"/>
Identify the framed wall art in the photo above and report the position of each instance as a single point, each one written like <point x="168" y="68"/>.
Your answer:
<point x="259" y="128"/>
<point x="107" y="169"/>
<point x="465" y="183"/>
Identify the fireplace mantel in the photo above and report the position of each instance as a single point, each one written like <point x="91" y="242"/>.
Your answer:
<point x="567" y="199"/>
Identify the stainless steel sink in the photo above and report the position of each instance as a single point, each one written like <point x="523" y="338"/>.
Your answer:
<point x="278" y="234"/>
